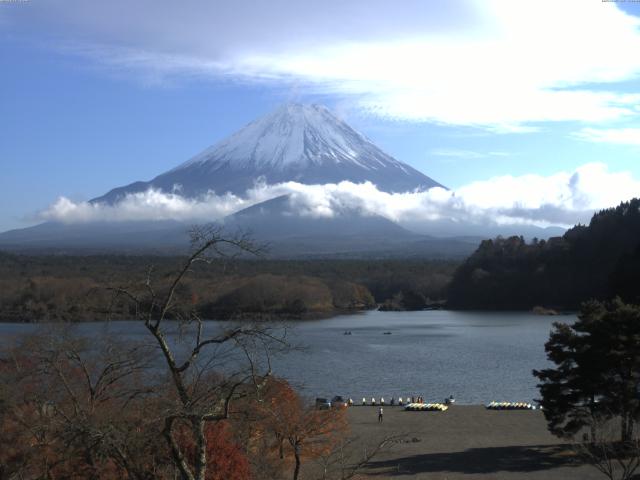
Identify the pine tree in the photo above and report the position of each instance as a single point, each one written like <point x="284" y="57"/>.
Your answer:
<point x="597" y="370"/>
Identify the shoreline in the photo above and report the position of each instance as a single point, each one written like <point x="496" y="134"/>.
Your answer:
<point x="310" y="316"/>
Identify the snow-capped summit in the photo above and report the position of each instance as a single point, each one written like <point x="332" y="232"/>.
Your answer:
<point x="294" y="136"/>
<point x="302" y="143"/>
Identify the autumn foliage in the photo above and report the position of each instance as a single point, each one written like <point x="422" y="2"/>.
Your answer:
<point x="299" y="431"/>
<point x="69" y="412"/>
<point x="225" y="457"/>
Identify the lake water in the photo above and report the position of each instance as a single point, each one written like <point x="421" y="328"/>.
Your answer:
<point x="476" y="356"/>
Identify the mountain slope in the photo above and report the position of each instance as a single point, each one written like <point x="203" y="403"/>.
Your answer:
<point x="278" y="219"/>
<point x="289" y="234"/>
<point x="301" y="143"/>
<point x="158" y="236"/>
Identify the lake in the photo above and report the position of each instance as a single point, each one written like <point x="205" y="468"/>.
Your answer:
<point x="476" y="356"/>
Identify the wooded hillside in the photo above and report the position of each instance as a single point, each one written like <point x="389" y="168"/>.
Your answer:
<point x="598" y="261"/>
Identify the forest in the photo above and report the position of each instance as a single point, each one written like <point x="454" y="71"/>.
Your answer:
<point x="596" y="261"/>
<point x="36" y="288"/>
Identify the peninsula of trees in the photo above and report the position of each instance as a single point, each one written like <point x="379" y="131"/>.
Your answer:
<point x="598" y="261"/>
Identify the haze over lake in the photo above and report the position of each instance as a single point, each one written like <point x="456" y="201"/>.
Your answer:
<point x="476" y="356"/>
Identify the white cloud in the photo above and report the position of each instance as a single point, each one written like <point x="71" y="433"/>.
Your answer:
<point x="620" y="136"/>
<point x="149" y="205"/>
<point x="560" y="199"/>
<point x="498" y="64"/>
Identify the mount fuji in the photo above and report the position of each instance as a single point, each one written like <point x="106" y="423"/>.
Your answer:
<point x="301" y="143"/>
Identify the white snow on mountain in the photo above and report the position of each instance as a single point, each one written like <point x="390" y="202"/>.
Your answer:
<point x="295" y="135"/>
<point x="300" y="143"/>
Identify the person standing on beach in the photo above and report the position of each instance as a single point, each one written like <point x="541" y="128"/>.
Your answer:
<point x="380" y="412"/>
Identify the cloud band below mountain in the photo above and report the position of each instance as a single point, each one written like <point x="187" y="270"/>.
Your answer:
<point x="560" y="199"/>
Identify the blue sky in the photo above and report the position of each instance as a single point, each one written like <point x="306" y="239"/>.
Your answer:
<point x="92" y="97"/>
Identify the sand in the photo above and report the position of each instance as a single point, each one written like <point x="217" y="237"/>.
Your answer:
<point x="466" y="442"/>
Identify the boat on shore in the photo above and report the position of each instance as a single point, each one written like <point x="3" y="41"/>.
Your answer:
<point x="510" y="406"/>
<point x="427" y="407"/>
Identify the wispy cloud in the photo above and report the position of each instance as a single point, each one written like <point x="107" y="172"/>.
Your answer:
<point x="560" y="199"/>
<point x="497" y="64"/>
<point x="620" y="136"/>
<point x="466" y="154"/>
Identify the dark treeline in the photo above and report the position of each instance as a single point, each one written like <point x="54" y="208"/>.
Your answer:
<point x="598" y="261"/>
<point x="75" y="288"/>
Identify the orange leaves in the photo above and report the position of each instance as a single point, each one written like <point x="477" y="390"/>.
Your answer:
<point x="307" y="432"/>
<point x="71" y="413"/>
<point x="225" y="459"/>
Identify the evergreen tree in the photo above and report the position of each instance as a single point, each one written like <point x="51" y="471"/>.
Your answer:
<point x="597" y="370"/>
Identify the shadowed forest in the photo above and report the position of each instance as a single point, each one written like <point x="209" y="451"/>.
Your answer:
<point x="76" y="288"/>
<point x="596" y="261"/>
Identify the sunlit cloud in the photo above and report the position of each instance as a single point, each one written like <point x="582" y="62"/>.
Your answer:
<point x="148" y="205"/>
<point x="620" y="136"/>
<point x="561" y="199"/>
<point x="496" y="64"/>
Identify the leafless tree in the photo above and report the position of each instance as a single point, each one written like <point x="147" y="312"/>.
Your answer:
<point x="76" y="405"/>
<point x="602" y="449"/>
<point x="209" y="368"/>
<point x="349" y="457"/>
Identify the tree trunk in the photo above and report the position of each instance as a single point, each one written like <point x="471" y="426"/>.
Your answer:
<point x="176" y="453"/>
<point x="296" y="453"/>
<point x="626" y="427"/>
<point x="201" y="448"/>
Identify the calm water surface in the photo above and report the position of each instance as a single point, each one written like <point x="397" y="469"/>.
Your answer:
<point x="477" y="357"/>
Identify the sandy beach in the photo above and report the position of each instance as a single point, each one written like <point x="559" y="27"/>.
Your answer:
<point x="466" y="442"/>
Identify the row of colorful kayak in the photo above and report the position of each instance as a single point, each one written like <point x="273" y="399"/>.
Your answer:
<point x="427" y="407"/>
<point x="510" y="406"/>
